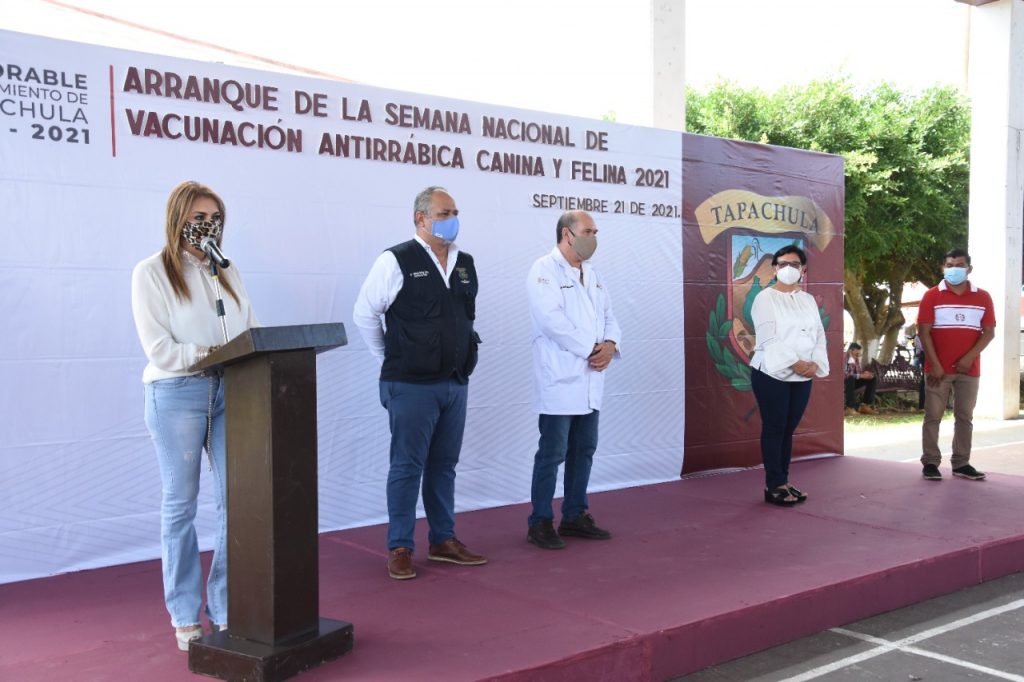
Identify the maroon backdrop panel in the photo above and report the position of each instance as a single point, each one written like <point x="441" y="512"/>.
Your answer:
<point x="741" y="202"/>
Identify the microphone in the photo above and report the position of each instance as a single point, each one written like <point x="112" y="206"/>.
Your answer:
<point x="211" y="249"/>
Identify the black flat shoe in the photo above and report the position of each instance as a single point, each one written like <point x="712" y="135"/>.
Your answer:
<point x="780" y="496"/>
<point x="544" y="536"/>
<point x="583" y="526"/>
<point x="797" y="493"/>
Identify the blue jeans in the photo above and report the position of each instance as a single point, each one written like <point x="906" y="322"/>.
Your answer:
<point x="569" y="438"/>
<point x="176" y="415"/>
<point x="782" y="405"/>
<point x="427" y="422"/>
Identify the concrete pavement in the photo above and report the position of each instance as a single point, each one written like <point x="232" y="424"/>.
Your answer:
<point x="998" y="445"/>
<point x="973" y="634"/>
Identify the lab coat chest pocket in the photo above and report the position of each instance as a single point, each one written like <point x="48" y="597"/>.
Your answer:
<point x="597" y="296"/>
<point x="574" y="301"/>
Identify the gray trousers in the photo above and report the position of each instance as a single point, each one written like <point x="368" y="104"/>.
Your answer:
<point x="965" y="395"/>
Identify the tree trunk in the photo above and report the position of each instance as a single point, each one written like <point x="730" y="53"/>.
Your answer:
<point x="878" y="316"/>
<point x="888" y="347"/>
<point x="863" y="324"/>
<point x="889" y="325"/>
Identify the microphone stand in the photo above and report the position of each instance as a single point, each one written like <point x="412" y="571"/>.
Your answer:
<point x="220" y="302"/>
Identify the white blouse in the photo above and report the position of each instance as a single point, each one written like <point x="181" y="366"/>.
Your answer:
<point x="788" y="328"/>
<point x="175" y="333"/>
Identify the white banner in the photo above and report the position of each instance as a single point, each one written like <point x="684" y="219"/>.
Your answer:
<point x="318" y="178"/>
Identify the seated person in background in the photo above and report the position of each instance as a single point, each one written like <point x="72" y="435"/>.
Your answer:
<point x="857" y="376"/>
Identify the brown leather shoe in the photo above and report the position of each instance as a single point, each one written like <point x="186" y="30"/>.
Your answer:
<point x="866" y="409"/>
<point x="400" y="564"/>
<point x="454" y="552"/>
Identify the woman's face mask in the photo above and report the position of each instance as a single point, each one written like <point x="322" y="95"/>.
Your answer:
<point x="193" y="233"/>
<point x="788" y="275"/>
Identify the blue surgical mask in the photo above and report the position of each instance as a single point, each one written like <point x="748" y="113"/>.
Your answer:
<point x="447" y="229"/>
<point x="955" y="275"/>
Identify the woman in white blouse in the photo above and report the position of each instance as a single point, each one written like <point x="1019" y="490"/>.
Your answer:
<point x="790" y="351"/>
<point x="174" y="302"/>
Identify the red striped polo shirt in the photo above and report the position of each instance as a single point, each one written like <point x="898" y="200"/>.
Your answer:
<point x="957" y="322"/>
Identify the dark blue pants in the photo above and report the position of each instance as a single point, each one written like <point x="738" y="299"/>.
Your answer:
<point x="427" y="422"/>
<point x="782" y="405"/>
<point x="569" y="438"/>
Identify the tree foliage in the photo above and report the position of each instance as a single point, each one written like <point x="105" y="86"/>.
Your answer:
<point x="906" y="176"/>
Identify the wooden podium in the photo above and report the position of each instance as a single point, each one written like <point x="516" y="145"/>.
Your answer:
<point x="274" y="627"/>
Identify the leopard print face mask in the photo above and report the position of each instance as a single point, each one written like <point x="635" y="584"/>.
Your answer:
<point x="193" y="233"/>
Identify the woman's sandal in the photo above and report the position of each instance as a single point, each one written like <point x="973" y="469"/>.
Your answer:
<point x="797" y="493"/>
<point x="783" y="497"/>
<point x="184" y="636"/>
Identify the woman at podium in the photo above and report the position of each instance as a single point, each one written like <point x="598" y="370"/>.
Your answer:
<point x="176" y="296"/>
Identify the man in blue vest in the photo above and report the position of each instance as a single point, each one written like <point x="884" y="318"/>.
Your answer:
<point x="415" y="312"/>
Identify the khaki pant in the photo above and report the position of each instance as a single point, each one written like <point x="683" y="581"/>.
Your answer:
<point x="965" y="395"/>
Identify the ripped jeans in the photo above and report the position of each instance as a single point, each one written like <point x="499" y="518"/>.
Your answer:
<point x="176" y="415"/>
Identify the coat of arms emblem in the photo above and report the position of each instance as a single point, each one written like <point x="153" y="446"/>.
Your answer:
<point x="755" y="227"/>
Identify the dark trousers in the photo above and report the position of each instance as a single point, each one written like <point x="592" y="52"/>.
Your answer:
<point x="853" y="383"/>
<point x="782" y="405"/>
<point x="569" y="438"/>
<point x="427" y="422"/>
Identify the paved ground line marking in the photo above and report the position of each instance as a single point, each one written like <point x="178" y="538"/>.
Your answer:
<point x="963" y="664"/>
<point x="957" y="624"/>
<point x="871" y="639"/>
<point x="885" y="646"/>
<point x="973" y="449"/>
<point x="1000" y="445"/>
<point x="839" y="665"/>
<point x="929" y="654"/>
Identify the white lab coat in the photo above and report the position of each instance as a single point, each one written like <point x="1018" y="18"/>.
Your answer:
<point x="568" y="319"/>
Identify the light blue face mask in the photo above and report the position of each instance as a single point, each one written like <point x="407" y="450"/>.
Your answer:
<point x="447" y="229"/>
<point x="955" y="275"/>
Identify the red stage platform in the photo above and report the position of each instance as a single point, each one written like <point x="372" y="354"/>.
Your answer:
<point x="700" y="571"/>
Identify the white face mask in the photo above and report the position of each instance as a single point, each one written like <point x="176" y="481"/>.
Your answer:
<point x="788" y="275"/>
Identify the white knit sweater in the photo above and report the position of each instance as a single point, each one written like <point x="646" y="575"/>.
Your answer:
<point x="175" y="333"/>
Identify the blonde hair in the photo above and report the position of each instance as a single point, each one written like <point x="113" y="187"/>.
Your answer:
<point x="179" y="204"/>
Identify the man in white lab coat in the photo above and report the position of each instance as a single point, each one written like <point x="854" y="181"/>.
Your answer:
<point x="575" y="338"/>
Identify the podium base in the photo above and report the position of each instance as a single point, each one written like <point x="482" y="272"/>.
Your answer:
<point x="235" y="659"/>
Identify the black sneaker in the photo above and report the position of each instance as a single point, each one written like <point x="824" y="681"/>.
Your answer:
<point x="544" y="536"/>
<point x="583" y="526"/>
<point x="931" y="473"/>
<point x="967" y="471"/>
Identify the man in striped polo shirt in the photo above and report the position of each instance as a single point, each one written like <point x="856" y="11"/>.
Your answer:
<point x="955" y="322"/>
